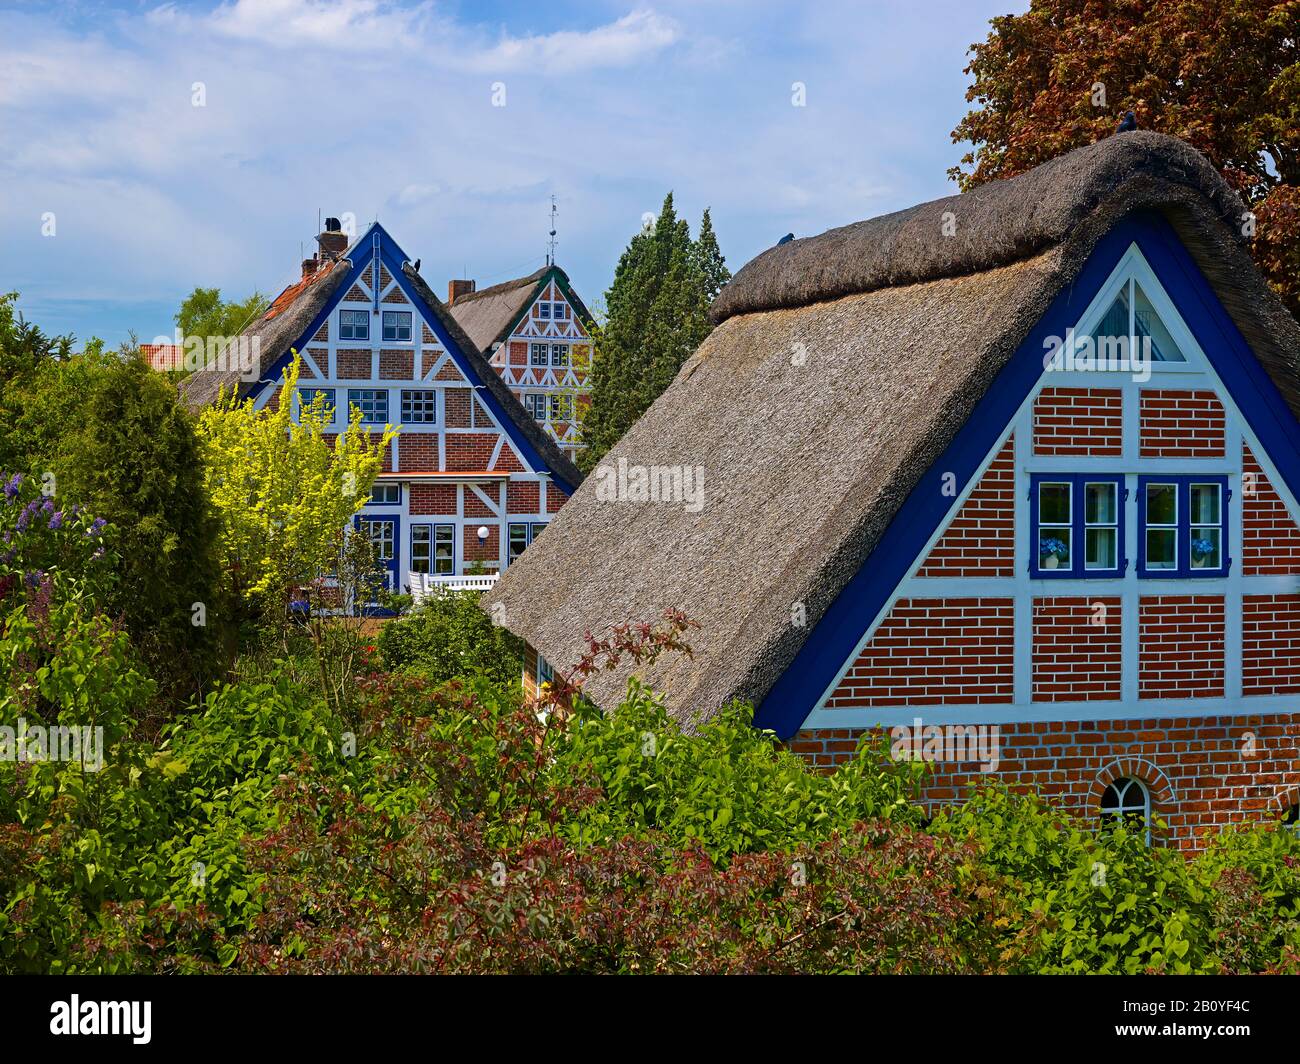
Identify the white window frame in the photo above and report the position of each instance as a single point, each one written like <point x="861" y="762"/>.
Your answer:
<point x="397" y="327"/>
<point x="360" y="320"/>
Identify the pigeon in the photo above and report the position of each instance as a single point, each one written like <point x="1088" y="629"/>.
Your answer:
<point x="1128" y="124"/>
<point x="785" y="239"/>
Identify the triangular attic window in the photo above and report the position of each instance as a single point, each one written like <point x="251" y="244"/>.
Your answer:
<point x="1132" y="315"/>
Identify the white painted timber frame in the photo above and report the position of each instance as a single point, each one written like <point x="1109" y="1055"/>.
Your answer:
<point x="1195" y="373"/>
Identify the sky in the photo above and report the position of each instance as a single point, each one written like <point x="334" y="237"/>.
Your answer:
<point x="149" y="148"/>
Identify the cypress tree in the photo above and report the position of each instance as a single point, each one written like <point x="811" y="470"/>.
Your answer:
<point x="656" y="316"/>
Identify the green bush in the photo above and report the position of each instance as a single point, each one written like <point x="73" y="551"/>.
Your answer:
<point x="449" y="636"/>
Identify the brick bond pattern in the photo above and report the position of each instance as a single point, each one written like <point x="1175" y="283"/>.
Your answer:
<point x="1270" y="644"/>
<point x="1181" y="424"/>
<point x="1078" y="421"/>
<point x="981" y="539"/>
<point x="931" y="652"/>
<point x="1271" y="540"/>
<point x="1182" y="646"/>
<point x="1077" y="653"/>
<point x="1205" y="773"/>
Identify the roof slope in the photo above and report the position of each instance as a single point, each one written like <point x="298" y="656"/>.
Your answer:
<point x="489" y="316"/>
<point x="795" y="500"/>
<point x="293" y="311"/>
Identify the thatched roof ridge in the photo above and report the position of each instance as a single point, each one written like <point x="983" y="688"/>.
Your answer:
<point x="993" y="225"/>
<point x="488" y="314"/>
<point x="799" y="497"/>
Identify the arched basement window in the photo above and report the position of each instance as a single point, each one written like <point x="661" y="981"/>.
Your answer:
<point x="1127" y="799"/>
<point x="1291" y="819"/>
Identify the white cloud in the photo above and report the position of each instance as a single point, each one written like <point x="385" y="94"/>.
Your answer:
<point x="347" y="24"/>
<point x="632" y="38"/>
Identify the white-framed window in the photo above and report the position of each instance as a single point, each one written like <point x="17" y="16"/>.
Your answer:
<point x="561" y="407"/>
<point x="1127" y="799"/>
<point x="521" y="534"/>
<point x="373" y="403"/>
<point x="419" y="406"/>
<point x="559" y="354"/>
<point x="306" y="396"/>
<point x="397" y="325"/>
<point x="535" y="405"/>
<point x="561" y="311"/>
<point x="544" y="311"/>
<point x="539" y="354"/>
<point x="386" y="495"/>
<point x="545" y="674"/>
<point x="433" y="549"/>
<point x="354" y="325"/>
<point x="1131" y="325"/>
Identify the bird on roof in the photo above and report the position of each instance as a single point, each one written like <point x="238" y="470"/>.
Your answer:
<point x="417" y="265"/>
<point x="1128" y="124"/>
<point x="785" y="239"/>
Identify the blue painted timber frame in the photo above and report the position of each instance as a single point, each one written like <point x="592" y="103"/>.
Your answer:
<point x="835" y="636"/>
<point x="1078" y="569"/>
<point x="1184" y="570"/>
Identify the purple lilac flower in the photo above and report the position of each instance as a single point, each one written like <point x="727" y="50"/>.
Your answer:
<point x="56" y="520"/>
<point x="25" y="518"/>
<point x="48" y="505"/>
<point x="96" y="527"/>
<point x="12" y="486"/>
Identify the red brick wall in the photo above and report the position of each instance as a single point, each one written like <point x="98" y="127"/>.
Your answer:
<point x="981" y="539"/>
<point x="1181" y="652"/>
<point x="1077" y="651"/>
<point x="935" y="652"/>
<point x="1181" y="424"/>
<point x="486" y="550"/>
<point x="397" y="365"/>
<point x="433" y="499"/>
<point x="469" y="450"/>
<point x="456" y="406"/>
<point x="417" y="452"/>
<point x="523" y="497"/>
<point x="508" y="461"/>
<point x="555" y="498"/>
<point x="1204" y="775"/>
<point x="1270" y="644"/>
<point x="353" y="363"/>
<point x="1078" y="421"/>
<point x="476" y="507"/>
<point x="1270" y="538"/>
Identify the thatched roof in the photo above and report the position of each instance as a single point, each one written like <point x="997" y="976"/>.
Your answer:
<point x="799" y="491"/>
<point x="293" y="311"/>
<point x="488" y="316"/>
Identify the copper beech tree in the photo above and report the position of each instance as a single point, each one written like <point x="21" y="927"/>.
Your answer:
<point x="1224" y="75"/>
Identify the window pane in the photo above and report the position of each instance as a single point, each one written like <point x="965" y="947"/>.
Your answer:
<point x="1147" y="324"/>
<point x="1205" y="547"/>
<point x="1162" y="504"/>
<point x="1053" y="548"/>
<point x="1053" y="504"/>
<point x="1162" y="548"/>
<point x="1099" y="504"/>
<point x="1205" y="504"/>
<point x="420" y="548"/>
<point x="1100" y="548"/>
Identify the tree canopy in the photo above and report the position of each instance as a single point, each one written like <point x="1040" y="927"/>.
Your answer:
<point x="1224" y="75"/>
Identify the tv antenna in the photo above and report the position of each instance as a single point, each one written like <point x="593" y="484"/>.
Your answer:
<point x="550" y="244"/>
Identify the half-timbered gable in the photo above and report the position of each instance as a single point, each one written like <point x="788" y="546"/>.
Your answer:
<point x="534" y="331"/>
<point x="1054" y="525"/>
<point x="470" y="480"/>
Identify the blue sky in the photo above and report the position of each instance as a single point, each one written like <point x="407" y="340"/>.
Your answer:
<point x="379" y="109"/>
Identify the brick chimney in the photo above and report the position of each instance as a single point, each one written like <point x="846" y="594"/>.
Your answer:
<point x="333" y="242"/>
<point x="456" y="289"/>
<point x="308" y="267"/>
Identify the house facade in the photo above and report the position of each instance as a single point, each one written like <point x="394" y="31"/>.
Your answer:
<point x="1049" y="537"/>
<point x="470" y="481"/>
<point x="534" y="331"/>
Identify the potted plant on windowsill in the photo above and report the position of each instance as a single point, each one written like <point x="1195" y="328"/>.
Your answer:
<point x="1201" y="551"/>
<point x="1051" y="552"/>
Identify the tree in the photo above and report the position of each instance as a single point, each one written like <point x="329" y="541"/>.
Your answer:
<point x="283" y="492"/>
<point x="204" y="313"/>
<point x="1224" y="76"/>
<point x="656" y="316"/>
<point x="102" y="431"/>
